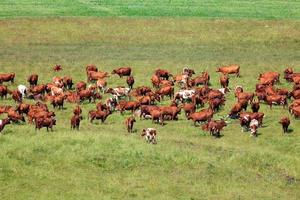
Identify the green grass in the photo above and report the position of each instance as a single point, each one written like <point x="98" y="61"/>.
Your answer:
<point x="245" y="9"/>
<point x="102" y="161"/>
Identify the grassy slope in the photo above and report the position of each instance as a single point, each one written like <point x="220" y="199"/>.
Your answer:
<point x="257" y="9"/>
<point x="103" y="161"/>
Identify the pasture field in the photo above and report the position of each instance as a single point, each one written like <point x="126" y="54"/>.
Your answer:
<point x="102" y="161"/>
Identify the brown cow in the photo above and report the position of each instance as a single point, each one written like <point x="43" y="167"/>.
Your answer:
<point x="231" y="69"/>
<point x="155" y="81"/>
<point x="77" y="110"/>
<point x="170" y="112"/>
<point x="81" y="85"/>
<point x="158" y="116"/>
<point x="91" y="67"/>
<point x="201" y="116"/>
<point x="277" y="99"/>
<point x="47" y="122"/>
<point x="3" y="123"/>
<point x="122" y="71"/>
<point x="5" y="109"/>
<point x="68" y="82"/>
<point x="189" y="108"/>
<point x="255" y="106"/>
<point x="224" y="81"/>
<point x="38" y="89"/>
<point x="285" y="122"/>
<point x="57" y="68"/>
<point x="258" y="116"/>
<point x="7" y="77"/>
<point x="296" y="111"/>
<point x="295" y="94"/>
<point x="161" y="73"/>
<point x="16" y="96"/>
<point x="146" y="109"/>
<point x="216" y="103"/>
<point x="94" y="76"/>
<point x="235" y="110"/>
<point x="167" y="90"/>
<point x="129" y="105"/>
<point x="3" y="91"/>
<point x="129" y="124"/>
<point x="58" y="101"/>
<point x="214" y="127"/>
<point x="130" y="81"/>
<point x="15" y="117"/>
<point x="86" y="94"/>
<point x="97" y="114"/>
<point x="75" y="121"/>
<point x="33" y="79"/>
<point x="23" y="108"/>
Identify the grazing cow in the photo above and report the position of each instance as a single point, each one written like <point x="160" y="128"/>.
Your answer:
<point x="94" y="76"/>
<point x="245" y="95"/>
<point x="255" y="106"/>
<point x="216" y="103"/>
<point x="57" y="68"/>
<point x="296" y="111"/>
<point x="158" y="116"/>
<point x="142" y="90"/>
<point x="295" y="94"/>
<point x="77" y="110"/>
<point x="231" y="69"/>
<point x="56" y="90"/>
<point x="238" y="89"/>
<point x="101" y="85"/>
<point x="258" y="116"/>
<point x="269" y="76"/>
<point x="23" y="108"/>
<point x="33" y="79"/>
<point x="184" y="95"/>
<point x="97" y="114"/>
<point x="91" y="67"/>
<point x="118" y="92"/>
<point x="3" y="91"/>
<point x="167" y="90"/>
<point x="129" y="105"/>
<point x="201" y="116"/>
<point x="150" y="135"/>
<point x="224" y="81"/>
<point x="146" y="110"/>
<point x="68" y="82"/>
<point x="130" y="81"/>
<point x="87" y="94"/>
<point x="5" y="109"/>
<point x="15" y="117"/>
<point x="7" y="77"/>
<point x="23" y="90"/>
<point x="147" y="100"/>
<point x="16" y="95"/>
<point x="189" y="108"/>
<point x="122" y="71"/>
<point x="129" y="124"/>
<point x="161" y="73"/>
<point x="111" y="103"/>
<point x="214" y="127"/>
<point x="200" y="80"/>
<point x="47" y="122"/>
<point x="235" y="110"/>
<point x="170" y="112"/>
<point x="155" y="81"/>
<point x="81" y="85"/>
<point x="285" y="122"/>
<point x="75" y="121"/>
<point x="58" y="101"/>
<point x="3" y="123"/>
<point x="38" y="89"/>
<point x="253" y="127"/>
<point x="276" y="99"/>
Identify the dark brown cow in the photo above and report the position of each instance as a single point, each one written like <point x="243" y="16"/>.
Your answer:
<point x="216" y="103"/>
<point x="23" y="108"/>
<point x="129" y="124"/>
<point x="33" y="79"/>
<point x="285" y="122"/>
<point x="122" y="71"/>
<point x="161" y="73"/>
<point x="7" y="77"/>
<point x="231" y="69"/>
<point x="3" y="123"/>
<point x="3" y="91"/>
<point x="77" y="110"/>
<point x="255" y="106"/>
<point x="130" y="81"/>
<point x="57" y="68"/>
<point x="75" y="121"/>
<point x="86" y="94"/>
<point x="68" y="82"/>
<point x="47" y="122"/>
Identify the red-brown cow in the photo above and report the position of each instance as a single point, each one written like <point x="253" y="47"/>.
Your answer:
<point x="122" y="71"/>
<point x="161" y="73"/>
<point x="201" y="116"/>
<point x="224" y="81"/>
<point x="285" y="122"/>
<point x="167" y="90"/>
<point x="94" y="76"/>
<point x="129" y="124"/>
<point x="129" y="105"/>
<point x="3" y="123"/>
<point x="100" y="115"/>
<point x="3" y="91"/>
<point x="231" y="69"/>
<point x="75" y="121"/>
<point x="47" y="122"/>
<point x="7" y="77"/>
<point x="33" y="79"/>
<point x="130" y="81"/>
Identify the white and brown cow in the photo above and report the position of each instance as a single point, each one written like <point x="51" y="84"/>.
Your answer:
<point x="150" y="135"/>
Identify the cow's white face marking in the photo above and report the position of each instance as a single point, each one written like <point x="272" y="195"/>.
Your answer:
<point x="0" y="122"/>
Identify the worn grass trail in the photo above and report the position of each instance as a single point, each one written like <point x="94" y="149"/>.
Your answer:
<point x="102" y="161"/>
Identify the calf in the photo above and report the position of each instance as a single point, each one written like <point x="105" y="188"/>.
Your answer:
<point x="77" y="110"/>
<point x="129" y="124"/>
<point x="285" y="122"/>
<point x="150" y="135"/>
<point x="3" y="123"/>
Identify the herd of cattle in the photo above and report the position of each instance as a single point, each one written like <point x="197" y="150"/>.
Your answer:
<point x="194" y="92"/>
